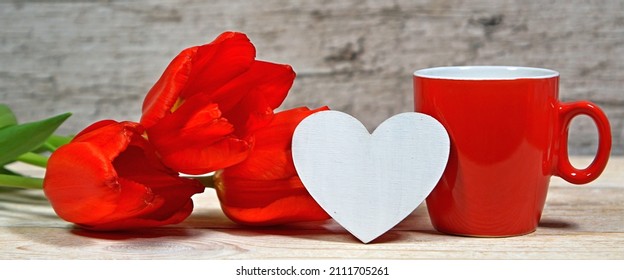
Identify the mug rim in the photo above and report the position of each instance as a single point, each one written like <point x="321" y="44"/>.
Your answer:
<point x="485" y="72"/>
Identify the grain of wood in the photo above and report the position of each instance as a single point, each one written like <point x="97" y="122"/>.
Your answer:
<point x="579" y="222"/>
<point x="98" y="58"/>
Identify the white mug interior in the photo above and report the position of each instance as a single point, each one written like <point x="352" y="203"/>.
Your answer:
<point x="485" y="73"/>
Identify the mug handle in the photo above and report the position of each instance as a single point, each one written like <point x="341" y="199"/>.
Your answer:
<point x="564" y="169"/>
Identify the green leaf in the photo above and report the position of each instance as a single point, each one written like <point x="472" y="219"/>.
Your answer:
<point x="18" y="139"/>
<point x="6" y="116"/>
<point x="57" y="140"/>
<point x="7" y="171"/>
<point x="33" y="159"/>
<point x="20" y="182"/>
<point x="52" y="143"/>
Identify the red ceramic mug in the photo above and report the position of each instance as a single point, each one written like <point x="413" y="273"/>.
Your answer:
<point x="508" y="135"/>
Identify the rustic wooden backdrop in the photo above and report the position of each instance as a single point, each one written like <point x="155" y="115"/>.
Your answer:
<point x="98" y="58"/>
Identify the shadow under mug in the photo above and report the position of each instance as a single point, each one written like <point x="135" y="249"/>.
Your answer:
<point x="508" y="135"/>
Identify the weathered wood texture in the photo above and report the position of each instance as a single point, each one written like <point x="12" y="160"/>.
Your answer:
<point x="98" y="58"/>
<point x="579" y="222"/>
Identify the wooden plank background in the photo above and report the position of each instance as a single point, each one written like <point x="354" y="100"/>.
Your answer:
<point x="98" y="58"/>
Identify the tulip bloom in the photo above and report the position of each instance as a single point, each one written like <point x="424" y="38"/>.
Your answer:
<point x="198" y="112"/>
<point x="110" y="178"/>
<point x="265" y="189"/>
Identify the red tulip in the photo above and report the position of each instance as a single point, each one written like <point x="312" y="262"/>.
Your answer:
<point x="264" y="189"/>
<point x="197" y="113"/>
<point x="110" y="178"/>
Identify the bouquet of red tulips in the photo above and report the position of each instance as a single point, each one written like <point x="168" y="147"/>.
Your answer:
<point x="211" y="112"/>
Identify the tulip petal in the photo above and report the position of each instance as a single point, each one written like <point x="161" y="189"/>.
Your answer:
<point x="94" y="184"/>
<point x="109" y="136"/>
<point x="215" y="64"/>
<point x="282" y="211"/>
<point x="192" y="160"/>
<point x="110" y="178"/>
<point x="144" y="222"/>
<point x="170" y="191"/>
<point x="200" y="113"/>
<point x="196" y="70"/>
<point x="132" y="200"/>
<point x="197" y="122"/>
<point x="165" y="93"/>
<point x="271" y="157"/>
<point x="264" y="189"/>
<point x="196" y="139"/>
<point x="255" y="93"/>
<point x="264" y="203"/>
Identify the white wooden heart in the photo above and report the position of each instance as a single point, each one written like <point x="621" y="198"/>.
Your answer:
<point x="369" y="182"/>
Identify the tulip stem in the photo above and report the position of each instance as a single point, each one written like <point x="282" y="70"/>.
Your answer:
<point x="207" y="181"/>
<point x="49" y="146"/>
<point x="34" y="159"/>
<point x="15" y="181"/>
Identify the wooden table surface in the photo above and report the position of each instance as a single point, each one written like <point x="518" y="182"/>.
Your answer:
<point x="579" y="222"/>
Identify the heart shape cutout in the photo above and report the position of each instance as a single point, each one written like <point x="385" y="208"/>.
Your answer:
<point x="368" y="183"/>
